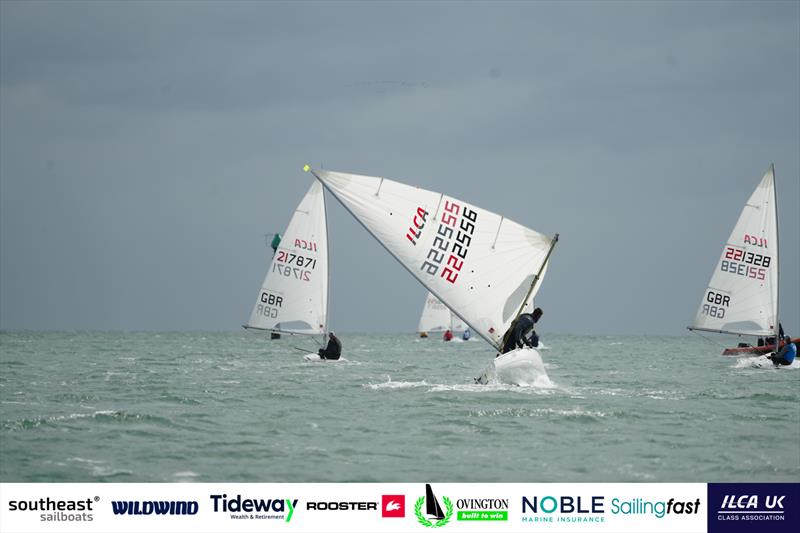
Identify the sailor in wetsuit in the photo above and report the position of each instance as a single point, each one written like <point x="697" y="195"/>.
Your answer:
<point x="787" y="354"/>
<point x="521" y="332"/>
<point x="334" y="348"/>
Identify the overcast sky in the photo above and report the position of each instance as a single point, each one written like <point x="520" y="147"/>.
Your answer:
<point x="147" y="147"/>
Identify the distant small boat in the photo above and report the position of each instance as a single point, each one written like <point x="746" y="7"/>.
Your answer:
<point x="742" y="296"/>
<point x="438" y="318"/>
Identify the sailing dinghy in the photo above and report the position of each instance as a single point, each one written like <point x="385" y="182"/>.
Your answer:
<point x="742" y="296"/>
<point x="293" y="298"/>
<point x="483" y="266"/>
<point x="437" y="318"/>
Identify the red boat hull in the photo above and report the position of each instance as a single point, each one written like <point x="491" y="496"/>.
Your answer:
<point x="758" y="350"/>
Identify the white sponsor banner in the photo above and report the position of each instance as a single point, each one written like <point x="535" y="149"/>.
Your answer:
<point x="353" y="507"/>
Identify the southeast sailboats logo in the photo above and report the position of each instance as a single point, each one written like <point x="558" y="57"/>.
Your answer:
<point x="433" y="509"/>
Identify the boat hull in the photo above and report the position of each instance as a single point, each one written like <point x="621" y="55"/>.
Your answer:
<point x="763" y="362"/>
<point x="523" y="367"/>
<point x="758" y="350"/>
<point x="315" y="358"/>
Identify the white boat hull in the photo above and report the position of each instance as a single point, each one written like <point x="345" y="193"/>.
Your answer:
<point x="522" y="366"/>
<point x="315" y="358"/>
<point x="763" y="362"/>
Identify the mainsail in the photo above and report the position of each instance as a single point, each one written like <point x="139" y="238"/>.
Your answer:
<point x="294" y="295"/>
<point x="742" y="296"/>
<point x="480" y="264"/>
<point x="437" y="317"/>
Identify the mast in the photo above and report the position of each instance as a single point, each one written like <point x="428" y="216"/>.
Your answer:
<point x="530" y="290"/>
<point x="536" y="277"/>
<point x="777" y="263"/>
<point x="328" y="262"/>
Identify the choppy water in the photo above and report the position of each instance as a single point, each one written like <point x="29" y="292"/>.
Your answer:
<point x="129" y="407"/>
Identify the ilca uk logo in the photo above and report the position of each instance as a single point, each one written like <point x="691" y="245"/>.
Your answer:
<point x="433" y="509"/>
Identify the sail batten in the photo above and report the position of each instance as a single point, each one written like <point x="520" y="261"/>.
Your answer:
<point x="469" y="258"/>
<point x="742" y="296"/>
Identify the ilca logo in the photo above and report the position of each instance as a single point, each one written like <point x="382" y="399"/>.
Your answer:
<point x="433" y="509"/>
<point x="765" y="506"/>
<point x="393" y="505"/>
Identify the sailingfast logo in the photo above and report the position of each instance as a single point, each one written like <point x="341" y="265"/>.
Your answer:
<point x="254" y="508"/>
<point x="155" y="507"/>
<point x="433" y="509"/>
<point x="57" y="510"/>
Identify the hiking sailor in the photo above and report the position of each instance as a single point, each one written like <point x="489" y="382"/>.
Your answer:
<point x="521" y="332"/>
<point x="334" y="348"/>
<point x="786" y="356"/>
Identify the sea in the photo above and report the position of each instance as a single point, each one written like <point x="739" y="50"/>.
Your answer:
<point x="237" y="407"/>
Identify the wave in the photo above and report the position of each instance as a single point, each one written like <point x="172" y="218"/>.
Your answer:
<point x="100" y="416"/>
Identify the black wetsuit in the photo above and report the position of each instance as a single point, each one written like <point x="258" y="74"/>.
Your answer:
<point x="521" y="333"/>
<point x="333" y="350"/>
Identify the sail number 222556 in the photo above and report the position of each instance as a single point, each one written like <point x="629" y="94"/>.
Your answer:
<point x="451" y="244"/>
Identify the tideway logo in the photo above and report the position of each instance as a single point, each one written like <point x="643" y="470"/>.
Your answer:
<point x="57" y="510"/>
<point x="549" y="509"/>
<point x="433" y="509"/>
<point x="155" y="507"/>
<point x="254" y="509"/>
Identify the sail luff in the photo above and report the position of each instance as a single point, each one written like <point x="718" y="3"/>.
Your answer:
<point x="777" y="325"/>
<point x="328" y="262"/>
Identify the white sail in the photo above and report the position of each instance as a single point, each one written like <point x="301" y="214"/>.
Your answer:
<point x="294" y="295"/>
<point x="480" y="264"/>
<point x="437" y="317"/>
<point x="742" y="296"/>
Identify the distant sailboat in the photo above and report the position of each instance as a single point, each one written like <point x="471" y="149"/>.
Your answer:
<point x="294" y="295"/>
<point x="484" y="267"/>
<point x="742" y="296"/>
<point x="437" y="318"/>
